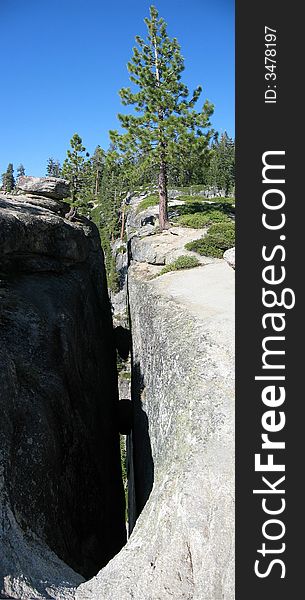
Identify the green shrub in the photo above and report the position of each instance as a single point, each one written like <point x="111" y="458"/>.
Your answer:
<point x="202" y="218"/>
<point x="112" y="276"/>
<point x="183" y="262"/>
<point x="219" y="238"/>
<point x="222" y="200"/>
<point x="190" y="208"/>
<point x="207" y="201"/>
<point x="190" y="198"/>
<point x="151" y="200"/>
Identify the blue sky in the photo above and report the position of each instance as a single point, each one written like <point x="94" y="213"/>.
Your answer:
<point x="62" y="63"/>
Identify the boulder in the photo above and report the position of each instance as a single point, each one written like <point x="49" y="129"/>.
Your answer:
<point x="35" y="237"/>
<point x="51" y="187"/>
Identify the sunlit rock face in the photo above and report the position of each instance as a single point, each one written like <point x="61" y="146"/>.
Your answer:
<point x="51" y="187"/>
<point x="61" y="494"/>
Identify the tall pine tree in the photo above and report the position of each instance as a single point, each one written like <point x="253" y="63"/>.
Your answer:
<point x="97" y="168"/>
<point x="164" y="122"/>
<point x="75" y="169"/>
<point x="20" y="170"/>
<point x="53" y="168"/>
<point x="8" y="179"/>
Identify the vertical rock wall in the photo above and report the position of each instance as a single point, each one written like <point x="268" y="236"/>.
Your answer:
<point x="61" y="494"/>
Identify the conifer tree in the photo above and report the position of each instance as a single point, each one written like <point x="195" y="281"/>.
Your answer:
<point x="20" y="170"/>
<point x="8" y="179"/>
<point x="53" y="168"/>
<point x="165" y="122"/>
<point x="222" y="167"/>
<point x="97" y="165"/>
<point x="75" y="168"/>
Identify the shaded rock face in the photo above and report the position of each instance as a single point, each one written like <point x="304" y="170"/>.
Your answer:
<point x="51" y="187"/>
<point x="61" y="494"/>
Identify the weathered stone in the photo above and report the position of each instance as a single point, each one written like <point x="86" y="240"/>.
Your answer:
<point x="119" y="298"/>
<point x="143" y="251"/>
<point x="36" y="238"/>
<point x="124" y="385"/>
<point x="161" y="249"/>
<point x="229" y="256"/>
<point x="61" y="493"/>
<point x="55" y="206"/>
<point x="51" y="187"/>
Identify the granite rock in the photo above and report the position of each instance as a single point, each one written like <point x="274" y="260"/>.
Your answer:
<point x="229" y="256"/>
<point x="51" y="187"/>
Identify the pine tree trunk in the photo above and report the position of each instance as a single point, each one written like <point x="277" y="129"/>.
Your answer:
<point x="162" y="187"/>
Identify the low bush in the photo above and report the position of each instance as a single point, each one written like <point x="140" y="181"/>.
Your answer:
<point x="151" y="200"/>
<point x="202" y="218"/>
<point x="219" y="238"/>
<point x="190" y="208"/>
<point x="217" y="200"/>
<point x="183" y="262"/>
<point x="222" y="200"/>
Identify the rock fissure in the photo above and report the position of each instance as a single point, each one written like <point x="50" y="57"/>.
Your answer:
<point x="61" y="490"/>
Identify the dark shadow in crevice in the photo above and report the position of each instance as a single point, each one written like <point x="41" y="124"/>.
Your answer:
<point x="125" y="416"/>
<point x="122" y="338"/>
<point x="140" y="464"/>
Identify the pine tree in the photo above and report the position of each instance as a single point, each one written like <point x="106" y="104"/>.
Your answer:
<point x="165" y="123"/>
<point x="8" y="179"/>
<point x="20" y="170"/>
<point x="97" y="164"/>
<point x="222" y="167"/>
<point x="53" y="168"/>
<point x="75" y="169"/>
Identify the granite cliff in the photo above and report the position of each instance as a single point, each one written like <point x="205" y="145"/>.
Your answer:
<point x="61" y="494"/>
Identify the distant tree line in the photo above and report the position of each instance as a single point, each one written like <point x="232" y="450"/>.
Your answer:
<point x="8" y="179"/>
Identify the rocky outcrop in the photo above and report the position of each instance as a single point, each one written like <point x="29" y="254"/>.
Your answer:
<point x="61" y="494"/>
<point x="164" y="248"/>
<point x="51" y="187"/>
<point x="181" y="449"/>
